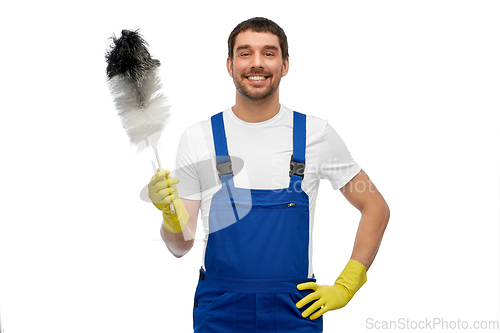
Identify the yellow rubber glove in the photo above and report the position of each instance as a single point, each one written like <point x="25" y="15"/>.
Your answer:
<point x="162" y="191"/>
<point x="333" y="297"/>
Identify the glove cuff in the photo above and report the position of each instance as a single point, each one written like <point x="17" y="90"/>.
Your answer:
<point x="352" y="277"/>
<point x="177" y="221"/>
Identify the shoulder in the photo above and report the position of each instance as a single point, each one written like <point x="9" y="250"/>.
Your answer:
<point x="197" y="130"/>
<point x="315" y="127"/>
<point x="313" y="123"/>
<point x="320" y="131"/>
<point x="196" y="140"/>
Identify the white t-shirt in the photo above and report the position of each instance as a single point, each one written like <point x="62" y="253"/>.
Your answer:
<point x="262" y="152"/>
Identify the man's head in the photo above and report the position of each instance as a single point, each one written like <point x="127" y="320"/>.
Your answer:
<point x="258" y="24"/>
<point x="257" y="59"/>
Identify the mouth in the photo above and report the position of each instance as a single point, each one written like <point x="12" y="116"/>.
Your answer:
<point x="257" y="78"/>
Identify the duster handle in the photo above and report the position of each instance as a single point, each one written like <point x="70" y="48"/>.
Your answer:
<point x="172" y="210"/>
<point x="157" y="157"/>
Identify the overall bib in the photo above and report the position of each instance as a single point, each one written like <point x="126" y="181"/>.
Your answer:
<point x="257" y="251"/>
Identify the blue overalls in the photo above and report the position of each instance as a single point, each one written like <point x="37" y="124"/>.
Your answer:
<point x="257" y="251"/>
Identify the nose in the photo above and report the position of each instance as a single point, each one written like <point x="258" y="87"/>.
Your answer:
<point x="257" y="61"/>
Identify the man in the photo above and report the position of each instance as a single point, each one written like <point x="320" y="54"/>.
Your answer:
<point x="256" y="273"/>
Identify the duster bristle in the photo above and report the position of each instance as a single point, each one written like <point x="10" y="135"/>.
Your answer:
<point x="135" y="84"/>
<point x="141" y="121"/>
<point x="130" y="57"/>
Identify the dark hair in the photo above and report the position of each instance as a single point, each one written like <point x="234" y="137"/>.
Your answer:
<point x="258" y="24"/>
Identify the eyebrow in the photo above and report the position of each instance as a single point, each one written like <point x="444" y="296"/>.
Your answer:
<point x="246" y="46"/>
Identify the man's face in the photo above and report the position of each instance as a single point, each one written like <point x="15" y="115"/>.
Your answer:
<point x="257" y="66"/>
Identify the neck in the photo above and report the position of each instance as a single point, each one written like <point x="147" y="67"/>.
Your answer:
<point x="256" y="111"/>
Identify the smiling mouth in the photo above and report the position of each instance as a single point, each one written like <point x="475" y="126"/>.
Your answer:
<point x="257" y="78"/>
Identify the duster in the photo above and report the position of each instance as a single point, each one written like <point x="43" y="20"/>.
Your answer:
<point x="135" y="85"/>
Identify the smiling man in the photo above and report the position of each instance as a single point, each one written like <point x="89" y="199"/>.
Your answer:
<point x="256" y="273"/>
<point x="256" y="66"/>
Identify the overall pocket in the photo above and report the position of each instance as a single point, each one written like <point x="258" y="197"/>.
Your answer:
<point x="290" y="317"/>
<point x="214" y="311"/>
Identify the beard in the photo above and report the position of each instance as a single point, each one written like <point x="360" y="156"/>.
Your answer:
<point x="255" y="94"/>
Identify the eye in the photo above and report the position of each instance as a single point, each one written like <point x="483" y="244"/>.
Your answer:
<point x="269" y="54"/>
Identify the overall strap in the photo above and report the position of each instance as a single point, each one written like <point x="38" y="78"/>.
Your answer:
<point x="223" y="160"/>
<point x="298" y="160"/>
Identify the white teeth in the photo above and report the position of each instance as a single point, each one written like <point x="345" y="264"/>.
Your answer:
<point x="257" y="78"/>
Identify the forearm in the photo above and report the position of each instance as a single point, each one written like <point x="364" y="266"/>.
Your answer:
<point x="178" y="243"/>
<point x="369" y="235"/>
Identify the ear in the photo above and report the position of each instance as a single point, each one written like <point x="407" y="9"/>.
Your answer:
<point x="229" y="65"/>
<point x="284" y="68"/>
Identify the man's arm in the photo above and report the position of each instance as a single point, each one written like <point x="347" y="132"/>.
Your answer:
<point x="363" y="195"/>
<point x="180" y="244"/>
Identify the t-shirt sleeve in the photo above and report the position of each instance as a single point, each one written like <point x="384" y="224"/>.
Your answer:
<point x="335" y="161"/>
<point x="186" y="170"/>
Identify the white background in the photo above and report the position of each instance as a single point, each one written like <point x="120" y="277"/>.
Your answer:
<point x="411" y="86"/>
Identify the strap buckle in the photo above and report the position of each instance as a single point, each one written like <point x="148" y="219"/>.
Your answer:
<point x="296" y="168"/>
<point x="225" y="168"/>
